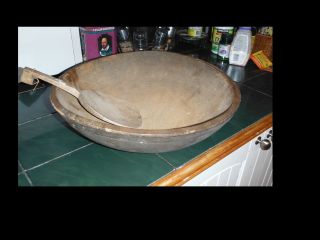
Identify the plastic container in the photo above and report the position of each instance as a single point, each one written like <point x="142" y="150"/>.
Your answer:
<point x="241" y="47"/>
<point x="216" y="36"/>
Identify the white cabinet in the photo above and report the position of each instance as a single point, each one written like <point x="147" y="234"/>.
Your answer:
<point x="257" y="168"/>
<point x="49" y="49"/>
<point x="223" y="173"/>
<point x="249" y="165"/>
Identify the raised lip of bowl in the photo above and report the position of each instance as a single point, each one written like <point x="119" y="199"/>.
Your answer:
<point x="108" y="127"/>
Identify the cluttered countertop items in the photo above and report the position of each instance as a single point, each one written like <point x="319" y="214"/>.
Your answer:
<point x="235" y="45"/>
<point x="51" y="153"/>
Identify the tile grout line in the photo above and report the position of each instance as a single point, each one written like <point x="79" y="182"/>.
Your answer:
<point x="161" y="177"/>
<point x="25" y="174"/>
<point x="251" y="88"/>
<point x="258" y="75"/>
<point x="35" y="119"/>
<point x="39" y="165"/>
<point x="243" y="82"/>
<point x="174" y="168"/>
<point x="31" y="90"/>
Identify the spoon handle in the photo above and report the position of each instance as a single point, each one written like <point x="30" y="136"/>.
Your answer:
<point x="29" y="75"/>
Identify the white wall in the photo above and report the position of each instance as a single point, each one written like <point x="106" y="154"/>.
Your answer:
<point x="49" y="49"/>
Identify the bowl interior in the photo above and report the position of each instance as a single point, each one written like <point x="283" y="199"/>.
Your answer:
<point x="170" y="90"/>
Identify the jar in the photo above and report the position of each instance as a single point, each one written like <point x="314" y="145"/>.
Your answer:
<point x="194" y="31"/>
<point x="216" y="36"/>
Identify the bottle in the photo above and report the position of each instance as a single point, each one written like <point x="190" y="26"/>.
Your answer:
<point x="241" y="47"/>
<point x="216" y="36"/>
<point x="224" y="47"/>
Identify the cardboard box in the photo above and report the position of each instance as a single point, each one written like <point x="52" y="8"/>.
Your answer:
<point x="98" y="42"/>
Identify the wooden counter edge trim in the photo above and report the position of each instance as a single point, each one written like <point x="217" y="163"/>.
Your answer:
<point x="191" y="169"/>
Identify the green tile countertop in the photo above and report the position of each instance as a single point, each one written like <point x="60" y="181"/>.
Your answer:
<point x="50" y="153"/>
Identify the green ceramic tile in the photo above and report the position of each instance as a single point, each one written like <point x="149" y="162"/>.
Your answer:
<point x="19" y="168"/>
<point x="34" y="104"/>
<point x="241" y="74"/>
<point x="180" y="157"/>
<point x="23" y="87"/>
<point x="96" y="165"/>
<point x="262" y="83"/>
<point x="253" y="106"/>
<point x="45" y="139"/>
<point x="22" y="181"/>
<point x="237" y="73"/>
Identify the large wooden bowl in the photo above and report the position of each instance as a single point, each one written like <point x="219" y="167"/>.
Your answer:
<point x="182" y="100"/>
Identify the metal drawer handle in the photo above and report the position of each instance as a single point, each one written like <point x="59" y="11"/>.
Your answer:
<point x="265" y="144"/>
<point x="270" y="135"/>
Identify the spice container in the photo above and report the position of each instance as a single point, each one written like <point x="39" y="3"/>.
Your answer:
<point x="224" y="47"/>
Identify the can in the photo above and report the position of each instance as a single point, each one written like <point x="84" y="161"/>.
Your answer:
<point x="216" y="36"/>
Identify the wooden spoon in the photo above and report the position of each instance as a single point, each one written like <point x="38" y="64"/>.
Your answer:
<point x="102" y="106"/>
